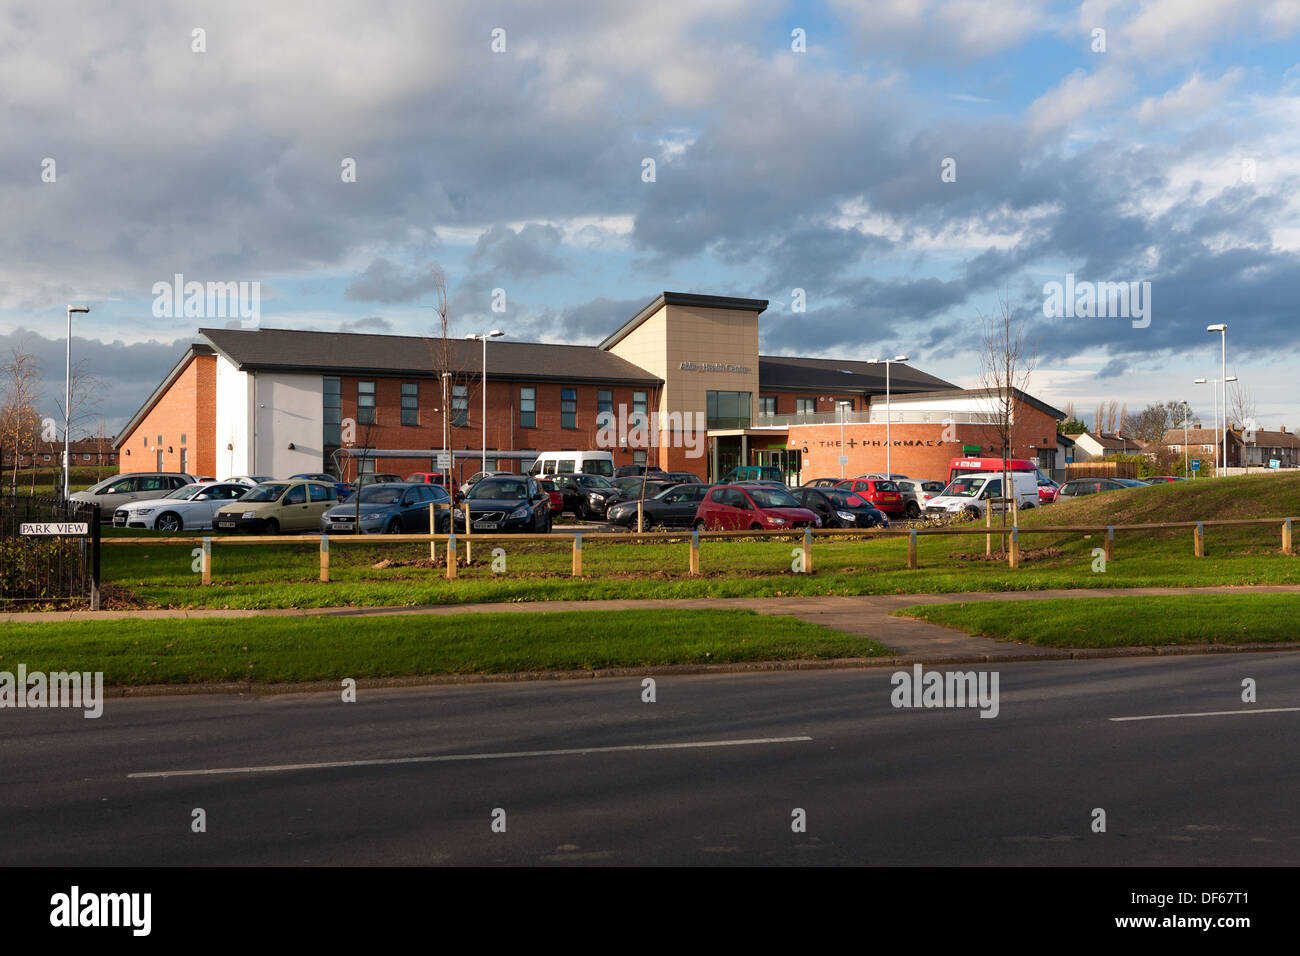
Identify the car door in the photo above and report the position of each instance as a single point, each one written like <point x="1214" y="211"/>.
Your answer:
<point x="295" y="509"/>
<point x="819" y="505"/>
<point x="738" y="511"/>
<point x="412" y="514"/>
<point x="321" y="498"/>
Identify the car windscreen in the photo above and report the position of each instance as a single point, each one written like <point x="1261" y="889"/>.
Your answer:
<point x="773" y="498"/>
<point x="964" y="488"/>
<point x="843" y="499"/>
<point x="379" y="495"/>
<point x="266" y="492"/>
<point x="503" y="490"/>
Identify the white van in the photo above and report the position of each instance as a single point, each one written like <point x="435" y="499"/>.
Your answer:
<point x="574" y="462"/>
<point x="971" y="493"/>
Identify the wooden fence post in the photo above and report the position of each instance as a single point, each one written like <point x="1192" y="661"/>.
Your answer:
<point x="451" y="555"/>
<point x="469" y="554"/>
<point x="1200" y="539"/>
<point x="1286" y="537"/>
<point x="577" y="555"/>
<point x="1013" y="553"/>
<point x="807" y="551"/>
<point x="433" y="529"/>
<point x="1110" y="543"/>
<point x="695" y="551"/>
<point x="205" y="561"/>
<point x="325" y="558"/>
<point x="911" y="550"/>
<point x="988" y="538"/>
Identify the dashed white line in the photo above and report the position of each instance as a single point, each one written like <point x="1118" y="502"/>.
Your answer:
<point x="1214" y="713"/>
<point x="450" y="758"/>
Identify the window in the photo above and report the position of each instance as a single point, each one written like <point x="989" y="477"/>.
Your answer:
<point x="604" y="407"/>
<point x="160" y="461"/>
<point x="767" y="404"/>
<point x="727" y="410"/>
<point x="146" y="440"/>
<point x="85" y="458"/>
<point x="47" y="457"/>
<point x="185" y="460"/>
<point x="639" y="458"/>
<point x="528" y="408"/>
<point x="365" y="403"/>
<point x="183" y="441"/>
<point x="320" y="493"/>
<point x="332" y="402"/>
<point x="460" y="405"/>
<point x="568" y="408"/>
<point x="159" y="441"/>
<point x="410" y="403"/>
<point x="296" y="496"/>
<point x="526" y="465"/>
<point x="805" y="406"/>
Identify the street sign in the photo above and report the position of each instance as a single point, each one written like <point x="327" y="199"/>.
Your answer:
<point x="844" y="459"/>
<point x="1275" y="463"/>
<point x="441" y="460"/>
<point x="1196" y="464"/>
<point x="66" y="528"/>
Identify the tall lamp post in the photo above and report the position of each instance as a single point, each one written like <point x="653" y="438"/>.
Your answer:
<point x="1187" y="409"/>
<point x="897" y="358"/>
<point x="1215" y="382"/>
<point x="494" y="334"/>
<point x="1222" y="329"/>
<point x="67" y="398"/>
<point x="842" y="406"/>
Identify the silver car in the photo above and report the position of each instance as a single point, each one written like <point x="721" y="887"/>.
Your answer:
<point x="112" y="493"/>
<point x="917" y="494"/>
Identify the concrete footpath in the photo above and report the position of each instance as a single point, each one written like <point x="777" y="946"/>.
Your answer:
<point x="866" y="616"/>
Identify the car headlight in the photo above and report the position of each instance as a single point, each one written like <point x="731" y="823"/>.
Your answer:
<point x="250" y="514"/>
<point x="847" y="516"/>
<point x="521" y="512"/>
<point x="597" y="497"/>
<point x="371" y="519"/>
<point x="145" y="511"/>
<point x="773" y="520"/>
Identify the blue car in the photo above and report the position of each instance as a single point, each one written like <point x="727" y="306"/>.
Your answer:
<point x="390" y="508"/>
<point x="341" y="488"/>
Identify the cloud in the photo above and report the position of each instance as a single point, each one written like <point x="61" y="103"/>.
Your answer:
<point x="387" y="282"/>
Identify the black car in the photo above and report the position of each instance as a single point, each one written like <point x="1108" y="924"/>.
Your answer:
<point x="506" y="503"/>
<point x="636" y="471"/>
<point x="585" y="495"/>
<point x="673" y="507"/>
<point x="822" y="483"/>
<point x="629" y="489"/>
<point x="840" y="509"/>
<point x="683" y="477"/>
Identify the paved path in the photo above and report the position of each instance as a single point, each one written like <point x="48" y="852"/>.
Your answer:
<point x="862" y="615"/>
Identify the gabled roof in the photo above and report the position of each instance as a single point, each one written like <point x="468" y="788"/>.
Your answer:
<point x="358" y="353"/>
<point x="789" y="372"/>
<point x="687" y="300"/>
<point x="1197" y="436"/>
<point x="1114" y="443"/>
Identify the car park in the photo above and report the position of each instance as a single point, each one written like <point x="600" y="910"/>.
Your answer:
<point x="111" y="493"/>
<point x="837" y="508"/>
<point x="478" y="476"/>
<point x="585" y="496"/>
<point x="883" y="477"/>
<point x="880" y="492"/>
<point x="1082" y="487"/>
<point x="384" y="478"/>
<point x="506" y="503"/>
<point x="629" y="489"/>
<point x="390" y="509"/>
<point x="971" y="494"/>
<point x="276" y="506"/>
<point x="673" y="507"/>
<point x="188" y="508"/>
<point x="917" y="494"/>
<point x="751" y="506"/>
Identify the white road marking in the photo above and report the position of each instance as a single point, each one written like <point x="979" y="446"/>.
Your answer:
<point x="448" y="758"/>
<point x="1214" y="713"/>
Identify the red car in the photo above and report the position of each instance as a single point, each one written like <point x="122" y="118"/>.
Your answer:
<point x="1151" y="480"/>
<point x="433" y="478"/>
<point x="752" y="507"/>
<point x="884" y="495"/>
<point x="1047" y="490"/>
<point x="557" y="496"/>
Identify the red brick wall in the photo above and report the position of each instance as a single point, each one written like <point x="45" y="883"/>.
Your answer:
<point x="787" y="402"/>
<point x="188" y="408"/>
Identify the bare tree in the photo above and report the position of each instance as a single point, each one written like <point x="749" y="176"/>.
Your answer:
<point x="20" y="426"/>
<point x="1006" y="361"/>
<point x="448" y="364"/>
<point x="86" y="391"/>
<point x="1241" y="408"/>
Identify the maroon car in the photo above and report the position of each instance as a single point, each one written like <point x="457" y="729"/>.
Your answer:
<point x="751" y="507"/>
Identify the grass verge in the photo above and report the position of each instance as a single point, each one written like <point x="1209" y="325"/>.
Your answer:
<point x="292" y="649"/>
<point x="1125" y="621"/>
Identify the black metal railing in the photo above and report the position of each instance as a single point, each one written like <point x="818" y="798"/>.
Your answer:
<point x="49" y="550"/>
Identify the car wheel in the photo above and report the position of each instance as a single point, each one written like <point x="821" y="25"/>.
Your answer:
<point x="580" y="511"/>
<point x="697" y="525"/>
<point x="755" y="526"/>
<point x="444" y="525"/>
<point x="913" y="510"/>
<point x="272" y="526"/>
<point x="394" y="526"/>
<point x="168" y="521"/>
<point x="548" y="523"/>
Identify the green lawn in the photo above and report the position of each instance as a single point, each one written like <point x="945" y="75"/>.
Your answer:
<point x="1125" y="621"/>
<point x="288" y="649"/>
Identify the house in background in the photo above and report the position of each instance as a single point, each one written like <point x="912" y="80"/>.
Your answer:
<point x="1101" y="445"/>
<point x="1203" y="443"/>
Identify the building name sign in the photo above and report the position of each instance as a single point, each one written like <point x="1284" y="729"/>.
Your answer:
<point x="713" y="367"/>
<point x="896" y="443"/>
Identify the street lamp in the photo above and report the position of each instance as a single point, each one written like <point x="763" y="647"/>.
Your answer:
<point x="494" y="334"/>
<point x="67" y="396"/>
<point x="842" y="406"/>
<point x="1186" y="411"/>
<point x="897" y="358"/>
<point x="1216" y="382"/>
<point x="1222" y="329"/>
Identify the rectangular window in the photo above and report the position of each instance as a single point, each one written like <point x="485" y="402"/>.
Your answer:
<point x="528" y="408"/>
<point x="460" y="405"/>
<point x="805" y="406"/>
<point x="604" y="407"/>
<point x="365" y="403"/>
<point x="183" y="442"/>
<point x="185" y="460"/>
<point x="767" y="404"/>
<point x="638" y="458"/>
<point x="332" y="409"/>
<point x="640" y="405"/>
<point x="410" y="403"/>
<point x="727" y="410"/>
<point x="568" y="408"/>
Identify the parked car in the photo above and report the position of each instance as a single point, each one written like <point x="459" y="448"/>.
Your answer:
<point x="840" y="509"/>
<point x="341" y="488"/>
<point x="251" y="480"/>
<point x="917" y="494"/>
<point x="971" y="494"/>
<point x="390" y="509"/>
<point x="821" y="483"/>
<point x="1082" y="487"/>
<point x="751" y="506"/>
<point x="111" y="493"/>
<point x="884" y="477"/>
<point x="506" y="503"/>
<point x="1156" y="479"/>
<point x="385" y="478"/>
<point x="205" y="479"/>
<point x="435" y="478"/>
<point x="276" y="506"/>
<point x="672" y="507"/>
<point x="685" y="477"/>
<point x="754" y="473"/>
<point x="478" y="476"/>
<point x="188" y="508"/>
<point x="585" y="495"/>
<point x="636" y="471"/>
<point x="573" y="463"/>
<point x="880" y="492"/>
<point x="1047" y="489"/>
<point x="629" y="489"/>
<point x="557" y="496"/>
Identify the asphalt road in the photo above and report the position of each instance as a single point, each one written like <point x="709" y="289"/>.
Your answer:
<point x="879" y="785"/>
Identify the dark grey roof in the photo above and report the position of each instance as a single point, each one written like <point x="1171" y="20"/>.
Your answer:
<point x="786" y="372"/>
<point x="356" y="353"/>
<point x="688" y="300"/>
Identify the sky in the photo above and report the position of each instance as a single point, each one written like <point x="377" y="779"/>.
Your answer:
<point x="901" y="170"/>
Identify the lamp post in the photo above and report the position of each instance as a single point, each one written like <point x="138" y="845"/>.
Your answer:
<point x="67" y="397"/>
<point x="1222" y="329"/>
<point x="842" y="406"/>
<point x="1216" y="382"/>
<point x="897" y="358"/>
<point x="1186" y="411"/>
<point x="494" y="334"/>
